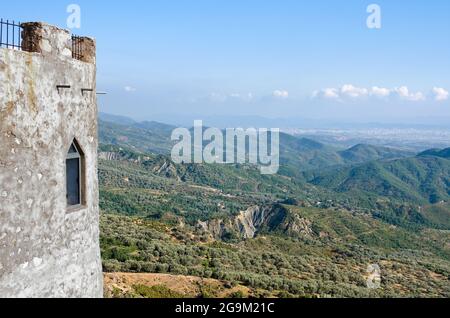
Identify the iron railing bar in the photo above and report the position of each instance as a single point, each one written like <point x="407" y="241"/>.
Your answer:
<point x="77" y="47"/>
<point x="10" y="39"/>
<point x="8" y="36"/>
<point x="19" y="35"/>
<point x="13" y="34"/>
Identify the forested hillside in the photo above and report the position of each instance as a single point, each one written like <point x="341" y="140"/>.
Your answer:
<point x="424" y="179"/>
<point x="310" y="231"/>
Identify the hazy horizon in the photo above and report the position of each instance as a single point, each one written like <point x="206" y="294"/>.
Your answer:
<point x="286" y="59"/>
<point x="298" y="122"/>
<point x="415" y="138"/>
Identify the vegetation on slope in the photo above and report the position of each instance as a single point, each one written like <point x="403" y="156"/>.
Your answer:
<point x="419" y="180"/>
<point x="333" y="262"/>
<point x="310" y="231"/>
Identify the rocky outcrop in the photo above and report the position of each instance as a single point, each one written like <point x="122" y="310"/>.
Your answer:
<point x="166" y="169"/>
<point x="299" y="226"/>
<point x="256" y="220"/>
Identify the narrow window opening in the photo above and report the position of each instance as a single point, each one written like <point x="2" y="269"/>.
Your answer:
<point x="74" y="175"/>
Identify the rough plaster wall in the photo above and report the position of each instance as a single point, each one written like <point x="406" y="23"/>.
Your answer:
<point x="44" y="250"/>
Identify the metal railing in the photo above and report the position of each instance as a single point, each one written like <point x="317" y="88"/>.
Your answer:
<point x="10" y="35"/>
<point x="11" y="38"/>
<point x="77" y="47"/>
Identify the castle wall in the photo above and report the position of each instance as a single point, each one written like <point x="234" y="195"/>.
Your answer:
<point x="47" y="250"/>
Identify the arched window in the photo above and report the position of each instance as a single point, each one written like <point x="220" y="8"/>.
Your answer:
<point x="74" y="175"/>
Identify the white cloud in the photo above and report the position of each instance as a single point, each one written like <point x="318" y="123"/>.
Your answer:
<point x="281" y="94"/>
<point x="354" y="92"/>
<point x="225" y="97"/>
<point x="327" y="93"/>
<point x="380" y="91"/>
<point x="245" y="97"/>
<point x="129" y="89"/>
<point x="417" y="97"/>
<point x="440" y="94"/>
<point x="404" y="93"/>
<point x="331" y="93"/>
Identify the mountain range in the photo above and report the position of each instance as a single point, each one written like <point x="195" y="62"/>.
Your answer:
<point x="363" y="172"/>
<point x="308" y="231"/>
<point x="302" y="153"/>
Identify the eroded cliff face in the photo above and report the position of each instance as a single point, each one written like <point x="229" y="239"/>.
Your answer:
<point x="256" y="220"/>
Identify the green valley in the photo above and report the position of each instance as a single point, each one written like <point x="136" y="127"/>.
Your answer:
<point x="310" y="231"/>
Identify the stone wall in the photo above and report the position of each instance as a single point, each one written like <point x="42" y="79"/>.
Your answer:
<point x="47" y="250"/>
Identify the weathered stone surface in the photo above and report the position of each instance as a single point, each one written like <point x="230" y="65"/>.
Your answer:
<point x="88" y="50"/>
<point x="46" y="250"/>
<point x="46" y="39"/>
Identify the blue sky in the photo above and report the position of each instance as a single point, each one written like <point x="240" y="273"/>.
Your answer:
<point x="283" y="58"/>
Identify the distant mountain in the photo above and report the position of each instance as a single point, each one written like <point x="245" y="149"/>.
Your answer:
<point x="297" y="154"/>
<point x="146" y="137"/>
<point x="156" y="128"/>
<point x="445" y="153"/>
<point x="302" y="154"/>
<point x="121" y="120"/>
<point x="421" y="179"/>
<point x="363" y="153"/>
<point x="400" y="191"/>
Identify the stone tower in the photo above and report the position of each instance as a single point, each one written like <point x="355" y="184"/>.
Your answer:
<point x="49" y="214"/>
